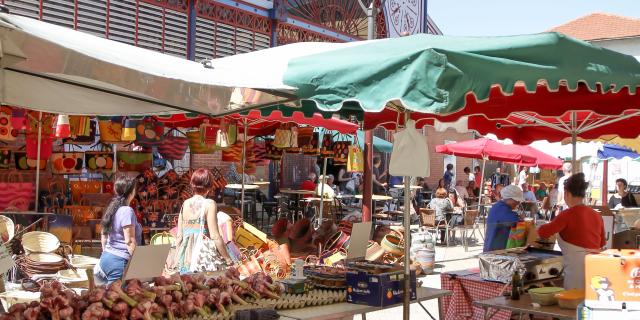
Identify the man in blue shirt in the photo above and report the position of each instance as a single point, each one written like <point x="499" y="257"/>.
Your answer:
<point x="448" y="176"/>
<point x="501" y="218"/>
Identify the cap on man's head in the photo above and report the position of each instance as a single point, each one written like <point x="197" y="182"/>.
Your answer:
<point x="512" y="192"/>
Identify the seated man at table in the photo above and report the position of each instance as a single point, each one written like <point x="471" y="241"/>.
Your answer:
<point x="530" y="201"/>
<point x="502" y="217"/>
<point x="461" y="190"/>
<point x="310" y="183"/>
<point x="443" y="207"/>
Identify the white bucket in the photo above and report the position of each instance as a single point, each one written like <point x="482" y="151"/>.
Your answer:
<point x="426" y="259"/>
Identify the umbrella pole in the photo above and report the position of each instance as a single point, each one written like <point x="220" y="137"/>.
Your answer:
<point x="243" y="162"/>
<point x="407" y="239"/>
<point x="38" y="160"/>
<point x="574" y="142"/>
<point x="324" y="176"/>
<point x="605" y="181"/>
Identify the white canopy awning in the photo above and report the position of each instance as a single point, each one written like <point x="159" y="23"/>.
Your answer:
<point x="59" y="70"/>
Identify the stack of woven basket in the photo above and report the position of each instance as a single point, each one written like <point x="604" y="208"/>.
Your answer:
<point x="42" y="254"/>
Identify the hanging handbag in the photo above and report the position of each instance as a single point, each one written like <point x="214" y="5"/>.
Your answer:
<point x="110" y="129"/>
<point x="282" y="138"/>
<point x="33" y="123"/>
<point x="22" y="162"/>
<point x="83" y="130"/>
<point x="326" y="150"/>
<point x="6" y="128"/>
<point x="99" y="161"/>
<point x="234" y="153"/>
<point x="341" y="152"/>
<point x="308" y="141"/>
<point x="17" y="193"/>
<point x="294" y="137"/>
<point x="67" y="162"/>
<point x="408" y="145"/>
<point x="272" y="153"/>
<point x="149" y="132"/>
<point x="174" y="146"/>
<point x="196" y="146"/>
<point x="134" y="161"/>
<point x="205" y="255"/>
<point x="5" y="159"/>
<point x="46" y="147"/>
<point x="222" y="139"/>
<point x="355" y="160"/>
<point x="208" y="132"/>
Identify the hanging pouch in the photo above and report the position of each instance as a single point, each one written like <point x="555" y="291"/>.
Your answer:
<point x="409" y="145"/>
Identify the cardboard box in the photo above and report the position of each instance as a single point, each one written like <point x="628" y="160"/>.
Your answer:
<point x="612" y="280"/>
<point x="378" y="290"/>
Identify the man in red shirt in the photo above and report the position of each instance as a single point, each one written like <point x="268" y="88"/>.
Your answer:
<point x="309" y="184"/>
<point x="580" y="230"/>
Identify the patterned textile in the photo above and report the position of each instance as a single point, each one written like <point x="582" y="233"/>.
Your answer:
<point x="467" y="289"/>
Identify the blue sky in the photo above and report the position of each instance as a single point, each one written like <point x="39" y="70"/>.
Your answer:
<point x="504" y="17"/>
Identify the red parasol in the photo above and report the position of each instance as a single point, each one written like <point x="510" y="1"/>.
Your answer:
<point x="488" y="149"/>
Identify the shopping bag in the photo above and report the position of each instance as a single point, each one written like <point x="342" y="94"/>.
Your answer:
<point x="208" y="132"/>
<point x="282" y="138"/>
<point x="271" y="152"/>
<point x="355" y="160"/>
<point x="326" y="150"/>
<point x="205" y="255"/>
<point x="149" y="132"/>
<point x="99" y="161"/>
<point x="6" y="159"/>
<point x="196" y="146"/>
<point x="67" y="162"/>
<point x="311" y="148"/>
<point x="110" y="129"/>
<point x="174" y="146"/>
<point x="341" y="152"/>
<point x="517" y="235"/>
<point x="46" y="147"/>
<point x="22" y="162"/>
<point x="6" y="128"/>
<point x="409" y="145"/>
<point x="33" y="124"/>
<point x="134" y="161"/>
<point x="83" y="130"/>
<point x="18" y="193"/>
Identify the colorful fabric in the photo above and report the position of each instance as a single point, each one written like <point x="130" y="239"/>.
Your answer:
<point x="467" y="289"/>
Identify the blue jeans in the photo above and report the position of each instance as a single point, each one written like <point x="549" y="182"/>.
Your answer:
<point x="112" y="266"/>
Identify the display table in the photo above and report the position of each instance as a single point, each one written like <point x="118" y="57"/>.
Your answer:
<point x="523" y="307"/>
<point x="342" y="310"/>
<point x="247" y="186"/>
<point x="467" y="287"/>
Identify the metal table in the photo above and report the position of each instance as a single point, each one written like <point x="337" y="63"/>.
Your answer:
<point x="342" y="310"/>
<point x="523" y="307"/>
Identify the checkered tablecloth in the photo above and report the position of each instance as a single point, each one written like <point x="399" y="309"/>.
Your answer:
<point x="467" y="289"/>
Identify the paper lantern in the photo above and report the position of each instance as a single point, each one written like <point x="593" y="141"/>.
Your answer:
<point x="129" y="130"/>
<point x="63" y="129"/>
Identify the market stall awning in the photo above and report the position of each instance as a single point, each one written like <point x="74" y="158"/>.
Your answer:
<point x="488" y="149"/>
<point x="261" y="125"/>
<point x="440" y="75"/>
<point x="56" y="69"/>
<point x="611" y="151"/>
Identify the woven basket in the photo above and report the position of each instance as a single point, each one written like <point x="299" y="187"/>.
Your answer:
<point x="80" y="261"/>
<point x="7" y="229"/>
<point x="44" y="257"/>
<point x="40" y="242"/>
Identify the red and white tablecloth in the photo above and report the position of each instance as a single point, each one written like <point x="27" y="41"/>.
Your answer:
<point x="468" y="287"/>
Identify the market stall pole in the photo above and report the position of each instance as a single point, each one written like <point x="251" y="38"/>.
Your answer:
<point x="367" y="203"/>
<point x="243" y="162"/>
<point x="38" y="159"/>
<point x="324" y="176"/>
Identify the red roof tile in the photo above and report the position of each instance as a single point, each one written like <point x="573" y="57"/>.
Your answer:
<point x="598" y="26"/>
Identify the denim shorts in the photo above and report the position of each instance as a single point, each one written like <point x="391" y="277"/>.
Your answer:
<point x="112" y="266"/>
